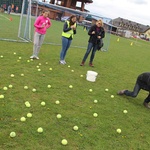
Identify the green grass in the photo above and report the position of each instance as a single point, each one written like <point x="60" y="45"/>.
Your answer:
<point x="117" y="69"/>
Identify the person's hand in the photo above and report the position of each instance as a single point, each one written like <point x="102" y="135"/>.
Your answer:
<point x="73" y="27"/>
<point x="43" y="25"/>
<point x="99" y="37"/>
<point x="93" y="32"/>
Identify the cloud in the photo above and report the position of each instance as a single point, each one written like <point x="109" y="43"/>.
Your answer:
<point x="139" y="1"/>
<point x="127" y="9"/>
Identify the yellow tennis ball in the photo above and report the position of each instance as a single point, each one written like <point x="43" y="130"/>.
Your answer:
<point x="59" y="116"/>
<point x="112" y="96"/>
<point x="75" y="128"/>
<point x="118" y="130"/>
<point x="95" y="114"/>
<point x="125" y="111"/>
<point x="22" y="119"/>
<point x="40" y="130"/>
<point x="64" y="142"/>
<point x="12" y="134"/>
<point x="43" y="103"/>
<point x="29" y="115"/>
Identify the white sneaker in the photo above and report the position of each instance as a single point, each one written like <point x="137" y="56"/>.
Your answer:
<point x="32" y="57"/>
<point x="62" y="62"/>
<point x="36" y="57"/>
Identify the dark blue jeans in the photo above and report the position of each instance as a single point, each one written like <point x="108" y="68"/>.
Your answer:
<point x="136" y="90"/>
<point x="65" y="46"/>
<point x="91" y="47"/>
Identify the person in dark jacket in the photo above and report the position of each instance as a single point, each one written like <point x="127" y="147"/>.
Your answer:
<point x="96" y="34"/>
<point x="142" y="82"/>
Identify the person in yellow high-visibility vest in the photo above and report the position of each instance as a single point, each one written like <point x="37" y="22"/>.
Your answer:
<point x="67" y="35"/>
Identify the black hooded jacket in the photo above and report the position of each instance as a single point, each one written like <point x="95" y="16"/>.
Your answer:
<point x="144" y="80"/>
<point x="94" y="37"/>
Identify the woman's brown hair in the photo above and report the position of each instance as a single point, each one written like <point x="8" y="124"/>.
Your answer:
<point x="70" y="20"/>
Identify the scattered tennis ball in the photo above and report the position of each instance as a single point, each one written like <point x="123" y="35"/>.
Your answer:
<point x="12" y="75"/>
<point x="14" y="53"/>
<point x="2" y="56"/>
<point x="5" y="88"/>
<point x="72" y="70"/>
<point x="1" y="96"/>
<point x="70" y="86"/>
<point x="75" y="128"/>
<point x="118" y="130"/>
<point x="95" y="101"/>
<point x="125" y="111"/>
<point x="106" y="90"/>
<point x="59" y="116"/>
<point x="40" y="64"/>
<point x="46" y="63"/>
<point x="49" y="86"/>
<point x="90" y="90"/>
<point x="57" y="102"/>
<point x="112" y="96"/>
<point x="29" y="115"/>
<point x="27" y="104"/>
<point x="81" y="75"/>
<point x="22" y="119"/>
<point x="28" y="60"/>
<point x="50" y="68"/>
<point x="20" y="58"/>
<point x="33" y="90"/>
<point x="68" y="66"/>
<point x="95" y="114"/>
<point x="31" y="59"/>
<point x="10" y="86"/>
<point x="64" y="142"/>
<point x="39" y="69"/>
<point x="26" y="87"/>
<point x="40" y="130"/>
<point x="22" y="74"/>
<point x="37" y="66"/>
<point x="12" y="134"/>
<point x="43" y="103"/>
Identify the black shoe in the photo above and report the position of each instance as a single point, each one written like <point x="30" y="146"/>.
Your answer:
<point x="146" y="105"/>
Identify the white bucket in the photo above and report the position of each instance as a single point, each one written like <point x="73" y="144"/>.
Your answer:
<point x="91" y="76"/>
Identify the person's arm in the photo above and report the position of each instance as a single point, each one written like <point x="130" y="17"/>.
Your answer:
<point x="103" y="33"/>
<point x="74" y="30"/>
<point x="66" y="28"/>
<point x="36" y="23"/>
<point x="48" y="24"/>
<point x="91" y="31"/>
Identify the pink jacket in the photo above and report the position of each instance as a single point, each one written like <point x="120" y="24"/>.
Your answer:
<point x="42" y="21"/>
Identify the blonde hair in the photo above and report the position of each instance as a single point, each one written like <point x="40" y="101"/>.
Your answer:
<point x="100" y="22"/>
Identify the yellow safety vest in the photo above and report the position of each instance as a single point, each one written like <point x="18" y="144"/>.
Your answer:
<point x="69" y="33"/>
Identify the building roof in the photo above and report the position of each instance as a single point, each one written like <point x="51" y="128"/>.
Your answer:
<point x="86" y="1"/>
<point x="130" y="25"/>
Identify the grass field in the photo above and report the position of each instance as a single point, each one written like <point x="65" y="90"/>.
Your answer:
<point x="117" y="69"/>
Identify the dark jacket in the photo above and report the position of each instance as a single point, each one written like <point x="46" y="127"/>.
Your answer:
<point x="94" y="37"/>
<point x="144" y="80"/>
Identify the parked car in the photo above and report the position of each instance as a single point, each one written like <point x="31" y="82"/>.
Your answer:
<point x="65" y="18"/>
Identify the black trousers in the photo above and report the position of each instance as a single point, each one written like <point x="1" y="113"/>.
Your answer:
<point x="138" y="86"/>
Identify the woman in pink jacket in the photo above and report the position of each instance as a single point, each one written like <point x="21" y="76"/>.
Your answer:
<point x="41" y="25"/>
